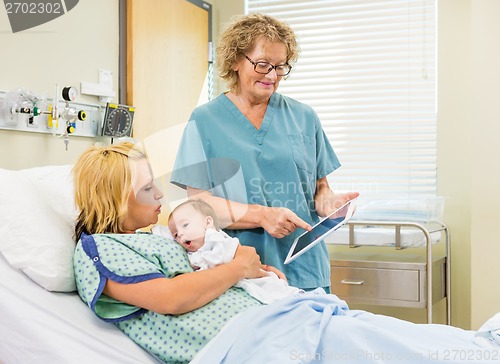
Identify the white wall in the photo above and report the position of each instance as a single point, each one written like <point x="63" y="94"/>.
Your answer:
<point x="66" y="51"/>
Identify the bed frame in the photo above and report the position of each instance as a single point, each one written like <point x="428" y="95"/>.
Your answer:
<point x="394" y="278"/>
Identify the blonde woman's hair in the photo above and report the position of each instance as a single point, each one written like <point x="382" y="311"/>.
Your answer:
<point x="242" y="35"/>
<point x="199" y="205"/>
<point x="103" y="183"/>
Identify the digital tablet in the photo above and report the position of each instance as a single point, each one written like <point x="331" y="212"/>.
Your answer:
<point x="321" y="230"/>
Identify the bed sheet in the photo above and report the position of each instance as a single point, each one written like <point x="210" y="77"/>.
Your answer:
<point x="314" y="327"/>
<point x="37" y="326"/>
<point x="381" y="236"/>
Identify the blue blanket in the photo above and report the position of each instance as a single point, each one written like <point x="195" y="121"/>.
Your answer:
<point x="320" y="328"/>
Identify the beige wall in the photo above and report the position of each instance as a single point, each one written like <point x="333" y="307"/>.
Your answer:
<point x="485" y="153"/>
<point x="454" y="144"/>
<point x="223" y="11"/>
<point x="468" y="150"/>
<point x="66" y="51"/>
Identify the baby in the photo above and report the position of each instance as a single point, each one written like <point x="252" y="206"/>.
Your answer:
<point x="193" y="225"/>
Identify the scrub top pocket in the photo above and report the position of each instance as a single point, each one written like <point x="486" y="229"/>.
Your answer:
<point x="303" y="150"/>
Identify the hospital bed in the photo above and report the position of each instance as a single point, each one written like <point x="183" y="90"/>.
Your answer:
<point x="43" y="320"/>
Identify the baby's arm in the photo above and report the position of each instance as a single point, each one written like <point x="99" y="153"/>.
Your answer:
<point x="209" y="258"/>
<point x="219" y="248"/>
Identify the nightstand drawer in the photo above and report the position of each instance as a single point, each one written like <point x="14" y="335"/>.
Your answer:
<point x="374" y="285"/>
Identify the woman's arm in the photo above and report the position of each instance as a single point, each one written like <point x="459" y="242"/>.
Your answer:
<point x="277" y="221"/>
<point x="187" y="292"/>
<point x="326" y="201"/>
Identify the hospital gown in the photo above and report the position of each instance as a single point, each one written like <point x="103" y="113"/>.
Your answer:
<point x="132" y="258"/>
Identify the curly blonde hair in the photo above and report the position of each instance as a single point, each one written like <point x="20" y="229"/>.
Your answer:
<point x="103" y="183"/>
<point x="242" y="35"/>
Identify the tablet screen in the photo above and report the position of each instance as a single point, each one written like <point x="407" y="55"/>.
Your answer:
<point x="320" y="231"/>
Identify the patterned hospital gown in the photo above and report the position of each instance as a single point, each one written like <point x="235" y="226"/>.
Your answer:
<point x="132" y="258"/>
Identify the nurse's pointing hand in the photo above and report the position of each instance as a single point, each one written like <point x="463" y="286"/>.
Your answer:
<point x="280" y="221"/>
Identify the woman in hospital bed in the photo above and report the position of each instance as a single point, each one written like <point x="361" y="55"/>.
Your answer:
<point x="144" y="284"/>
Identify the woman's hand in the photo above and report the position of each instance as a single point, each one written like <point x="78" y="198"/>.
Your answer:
<point x="249" y="261"/>
<point x="334" y="202"/>
<point x="270" y="268"/>
<point x="326" y="201"/>
<point x="280" y="221"/>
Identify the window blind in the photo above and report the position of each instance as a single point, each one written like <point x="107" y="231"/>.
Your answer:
<point x="368" y="68"/>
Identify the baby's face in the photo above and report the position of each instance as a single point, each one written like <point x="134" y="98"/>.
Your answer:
<point x="188" y="227"/>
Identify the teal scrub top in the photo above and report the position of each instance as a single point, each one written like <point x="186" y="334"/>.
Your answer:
<point x="276" y="165"/>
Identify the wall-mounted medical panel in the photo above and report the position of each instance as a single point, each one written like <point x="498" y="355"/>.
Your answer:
<point x="22" y="110"/>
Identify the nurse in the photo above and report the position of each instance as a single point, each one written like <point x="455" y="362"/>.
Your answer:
<point x="258" y="157"/>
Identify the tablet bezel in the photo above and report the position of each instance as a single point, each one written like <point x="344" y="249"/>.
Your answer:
<point x="350" y="210"/>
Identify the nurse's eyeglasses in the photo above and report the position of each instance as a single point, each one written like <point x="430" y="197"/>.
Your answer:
<point x="265" y="67"/>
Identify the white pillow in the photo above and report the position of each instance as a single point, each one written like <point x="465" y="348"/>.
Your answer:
<point x="37" y="217"/>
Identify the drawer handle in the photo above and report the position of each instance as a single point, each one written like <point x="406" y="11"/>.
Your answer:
<point x="356" y="283"/>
